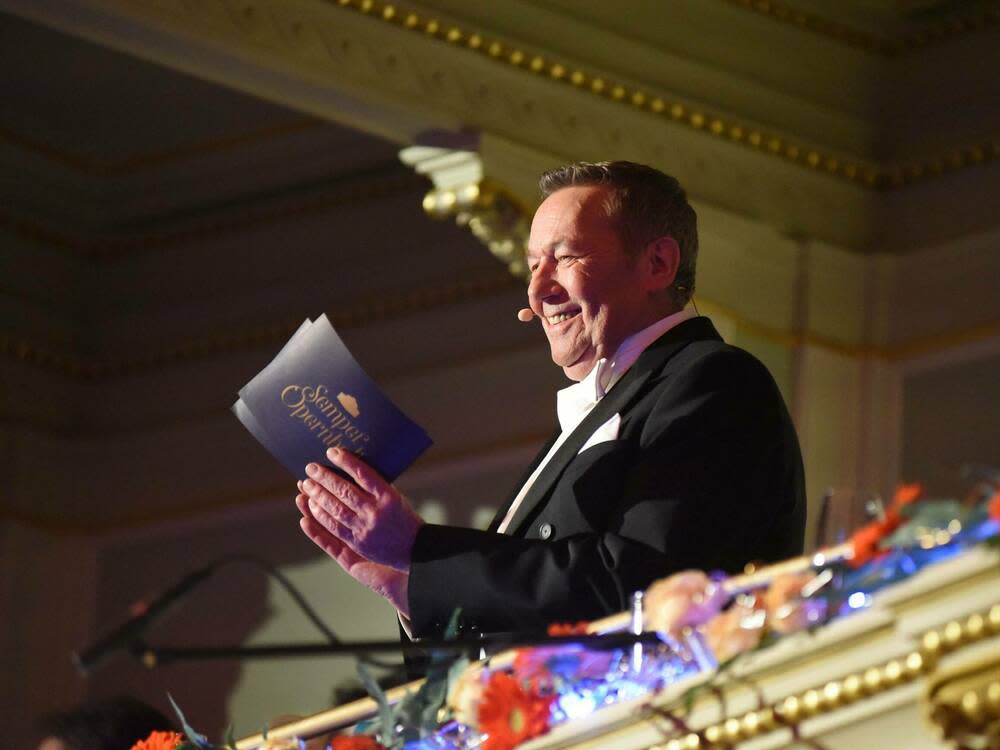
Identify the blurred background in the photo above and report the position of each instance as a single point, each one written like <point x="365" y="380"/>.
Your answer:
<point x="182" y="182"/>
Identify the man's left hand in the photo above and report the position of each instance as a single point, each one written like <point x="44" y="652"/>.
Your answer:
<point x="368" y="514"/>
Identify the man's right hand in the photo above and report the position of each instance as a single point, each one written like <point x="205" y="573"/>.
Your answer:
<point x="387" y="582"/>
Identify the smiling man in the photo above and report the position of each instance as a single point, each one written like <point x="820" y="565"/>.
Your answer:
<point x="674" y="450"/>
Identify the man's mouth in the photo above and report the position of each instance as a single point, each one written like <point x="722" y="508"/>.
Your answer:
<point x="561" y="317"/>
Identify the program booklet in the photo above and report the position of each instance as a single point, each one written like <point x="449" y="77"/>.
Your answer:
<point x="314" y="395"/>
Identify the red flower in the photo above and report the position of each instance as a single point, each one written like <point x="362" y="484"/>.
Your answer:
<point x="866" y="540"/>
<point x="510" y="715"/>
<point x="355" y="742"/>
<point x="159" y="741"/>
<point x="567" y="628"/>
<point x="994" y="507"/>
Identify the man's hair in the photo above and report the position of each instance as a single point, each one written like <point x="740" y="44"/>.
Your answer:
<point x="643" y="204"/>
<point x="115" y="724"/>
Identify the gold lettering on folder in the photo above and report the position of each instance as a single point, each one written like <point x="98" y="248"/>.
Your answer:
<point x="332" y="425"/>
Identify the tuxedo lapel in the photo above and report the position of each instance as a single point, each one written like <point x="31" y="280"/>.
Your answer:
<point x="618" y="400"/>
<point x="502" y="513"/>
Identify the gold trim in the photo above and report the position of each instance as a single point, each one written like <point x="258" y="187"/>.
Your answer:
<point x="137" y="162"/>
<point x="862" y="172"/>
<point x="892" y="353"/>
<point x="886" y="46"/>
<point x="835" y="694"/>
<point x="207" y="506"/>
<point x="494" y="216"/>
<point x="417" y="300"/>
<point x="963" y="704"/>
<point x="192" y="509"/>
<point x="420" y="300"/>
<point x="359" y="189"/>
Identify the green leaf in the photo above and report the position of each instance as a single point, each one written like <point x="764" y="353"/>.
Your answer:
<point x="451" y="631"/>
<point x="387" y="721"/>
<point x="198" y="740"/>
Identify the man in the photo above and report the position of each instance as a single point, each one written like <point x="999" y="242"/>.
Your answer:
<point x="114" y="724"/>
<point x="675" y="450"/>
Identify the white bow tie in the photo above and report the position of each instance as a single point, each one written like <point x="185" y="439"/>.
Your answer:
<point x="574" y="402"/>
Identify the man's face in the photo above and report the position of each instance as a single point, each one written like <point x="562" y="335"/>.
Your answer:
<point x="588" y="293"/>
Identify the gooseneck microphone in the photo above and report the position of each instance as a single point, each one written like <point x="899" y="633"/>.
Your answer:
<point x="128" y="634"/>
<point x="525" y="314"/>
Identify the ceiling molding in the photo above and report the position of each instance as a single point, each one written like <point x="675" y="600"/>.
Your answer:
<point x="89" y="369"/>
<point x="405" y="74"/>
<point x="940" y="30"/>
<point x="486" y="208"/>
<point x="260" y="499"/>
<point x="344" y="191"/>
<point x="604" y="86"/>
<point x="139" y="162"/>
<point x="430" y="298"/>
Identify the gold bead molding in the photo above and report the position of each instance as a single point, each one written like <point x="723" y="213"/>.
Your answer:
<point x="417" y="300"/>
<point x="493" y="215"/>
<point x="350" y="192"/>
<point x="979" y="705"/>
<point x="864" y="173"/>
<point x="888" y="47"/>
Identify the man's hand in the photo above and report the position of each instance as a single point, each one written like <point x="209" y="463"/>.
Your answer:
<point x="389" y="583"/>
<point x="368" y="514"/>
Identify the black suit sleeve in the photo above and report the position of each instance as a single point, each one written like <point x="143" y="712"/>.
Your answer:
<point x="699" y="477"/>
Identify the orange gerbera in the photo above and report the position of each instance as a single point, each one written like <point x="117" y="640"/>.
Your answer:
<point x="567" y="628"/>
<point x="994" y="507"/>
<point x="866" y="540"/>
<point x="159" y="741"/>
<point x="356" y="742"/>
<point x="510" y="715"/>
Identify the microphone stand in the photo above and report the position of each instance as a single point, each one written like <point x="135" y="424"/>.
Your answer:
<point x="155" y="656"/>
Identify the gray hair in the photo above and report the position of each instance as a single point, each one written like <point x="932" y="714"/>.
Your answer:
<point x="643" y="204"/>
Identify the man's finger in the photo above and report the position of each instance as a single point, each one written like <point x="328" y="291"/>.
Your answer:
<point x="337" y="522"/>
<point x="344" y="505"/>
<point x="322" y="501"/>
<point x="326" y="541"/>
<point x="367" y="478"/>
<point x="330" y="526"/>
<point x="323" y="480"/>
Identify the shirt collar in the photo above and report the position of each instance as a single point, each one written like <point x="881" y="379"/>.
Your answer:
<point x="637" y="343"/>
<point x="575" y="401"/>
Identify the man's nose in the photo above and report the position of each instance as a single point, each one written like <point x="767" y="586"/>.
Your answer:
<point x="542" y="283"/>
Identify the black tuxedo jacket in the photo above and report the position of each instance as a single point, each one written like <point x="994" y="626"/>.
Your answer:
<point x="705" y="473"/>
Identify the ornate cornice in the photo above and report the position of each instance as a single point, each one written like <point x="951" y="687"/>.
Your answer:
<point x="421" y="300"/>
<point x="345" y="192"/>
<point x="493" y="215"/>
<point x="486" y="208"/>
<point x="414" y="301"/>
<point x="932" y="33"/>
<point x="134" y="163"/>
<point x="863" y="172"/>
<point x="262" y="497"/>
<point x="964" y="704"/>
<point x="836" y="694"/>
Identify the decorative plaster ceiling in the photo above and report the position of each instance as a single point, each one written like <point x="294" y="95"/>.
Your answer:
<point x="803" y="114"/>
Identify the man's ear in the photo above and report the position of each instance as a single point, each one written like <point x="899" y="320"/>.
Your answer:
<point x="661" y="259"/>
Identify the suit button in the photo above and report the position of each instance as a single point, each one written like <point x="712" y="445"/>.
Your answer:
<point x="545" y="530"/>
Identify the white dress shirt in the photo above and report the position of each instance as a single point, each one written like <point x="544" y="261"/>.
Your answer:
<point x="575" y="402"/>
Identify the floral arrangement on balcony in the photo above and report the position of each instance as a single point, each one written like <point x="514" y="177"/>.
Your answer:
<point x="703" y="624"/>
